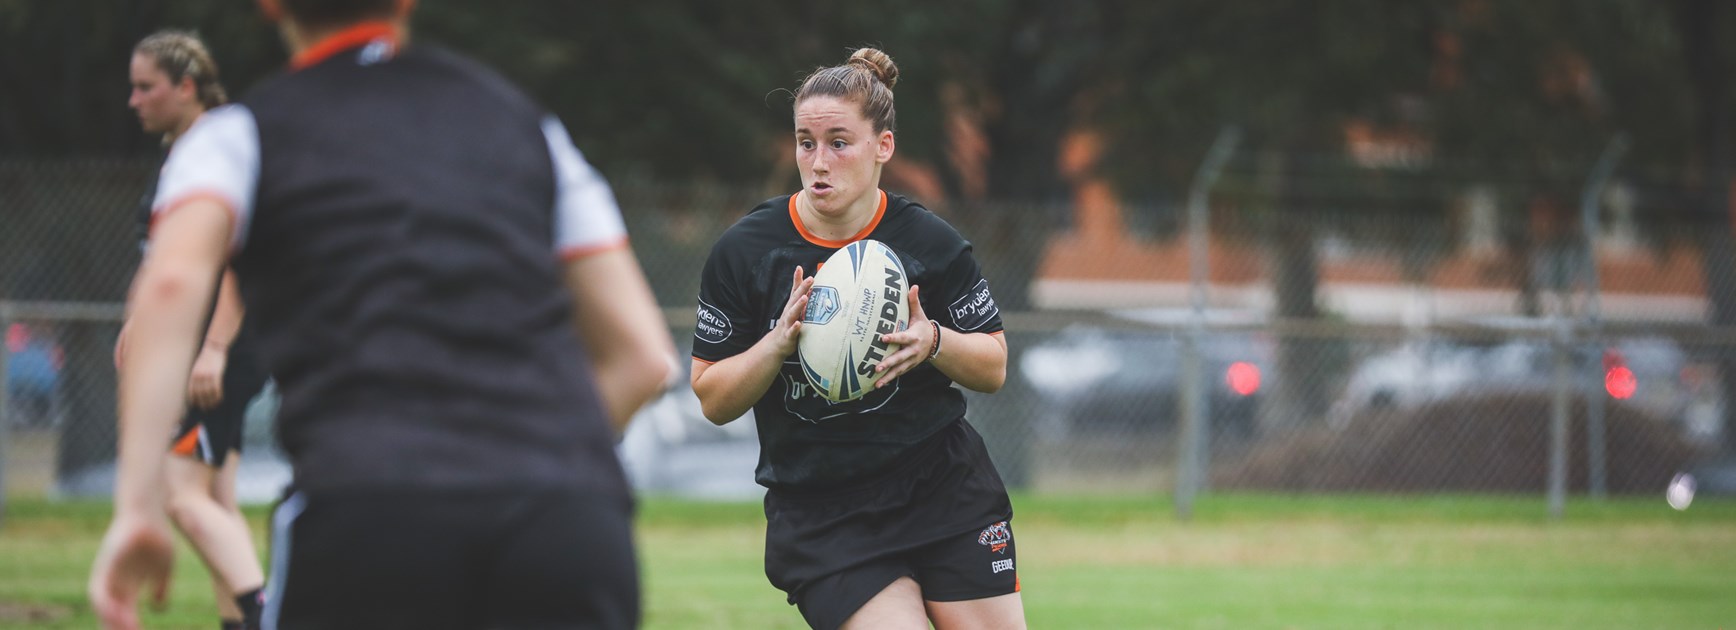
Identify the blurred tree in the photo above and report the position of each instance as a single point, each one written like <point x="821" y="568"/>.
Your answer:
<point x="1293" y="74"/>
<point x="66" y="63"/>
<point x="1704" y="25"/>
<point x="1516" y="96"/>
<point x="710" y="101"/>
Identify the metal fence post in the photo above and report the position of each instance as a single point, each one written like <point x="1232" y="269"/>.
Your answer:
<point x="1194" y="442"/>
<point x="5" y="416"/>
<point x="1559" y="342"/>
<point x="1590" y="220"/>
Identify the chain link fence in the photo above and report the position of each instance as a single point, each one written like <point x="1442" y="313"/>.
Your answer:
<point x="1284" y="325"/>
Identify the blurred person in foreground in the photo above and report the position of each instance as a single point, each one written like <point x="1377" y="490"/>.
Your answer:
<point x="174" y="81"/>
<point x="885" y="511"/>
<point x="402" y="222"/>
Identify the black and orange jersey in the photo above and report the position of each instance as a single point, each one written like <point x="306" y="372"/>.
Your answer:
<point x="401" y="221"/>
<point x="807" y="442"/>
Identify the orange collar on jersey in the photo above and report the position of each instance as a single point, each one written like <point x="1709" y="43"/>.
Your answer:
<point x="796" y="218"/>
<point x="353" y="37"/>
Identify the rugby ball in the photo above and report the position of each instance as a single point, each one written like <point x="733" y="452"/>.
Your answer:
<point x="858" y="295"/>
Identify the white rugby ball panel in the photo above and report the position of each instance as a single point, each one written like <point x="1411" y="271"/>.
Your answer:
<point x="859" y="294"/>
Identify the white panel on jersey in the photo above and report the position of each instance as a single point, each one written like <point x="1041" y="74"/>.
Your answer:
<point x="219" y="157"/>
<point x="586" y="216"/>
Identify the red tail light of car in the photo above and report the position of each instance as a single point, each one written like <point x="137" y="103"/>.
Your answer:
<point x="1618" y="380"/>
<point x="1243" y="378"/>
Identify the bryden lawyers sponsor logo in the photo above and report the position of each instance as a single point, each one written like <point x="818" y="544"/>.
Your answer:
<point x="975" y="309"/>
<point x="710" y="326"/>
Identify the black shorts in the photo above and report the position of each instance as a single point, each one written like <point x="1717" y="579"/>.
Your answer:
<point x="486" y="558"/>
<point x="942" y="519"/>
<point x="208" y="435"/>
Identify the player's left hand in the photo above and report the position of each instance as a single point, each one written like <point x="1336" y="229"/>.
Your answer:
<point x="135" y="553"/>
<point x="205" y="383"/>
<point x="914" y="342"/>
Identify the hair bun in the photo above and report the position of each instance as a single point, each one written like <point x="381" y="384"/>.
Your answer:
<point x="878" y="62"/>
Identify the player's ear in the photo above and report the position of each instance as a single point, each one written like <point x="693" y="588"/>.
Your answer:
<point x="272" y="10"/>
<point x="404" y="7"/>
<point x="885" y="147"/>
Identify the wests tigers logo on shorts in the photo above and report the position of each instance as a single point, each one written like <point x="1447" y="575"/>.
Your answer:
<point x="996" y="537"/>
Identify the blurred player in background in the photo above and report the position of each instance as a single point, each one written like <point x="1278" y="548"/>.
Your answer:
<point x="174" y="82"/>
<point x="885" y="511"/>
<point x="442" y="287"/>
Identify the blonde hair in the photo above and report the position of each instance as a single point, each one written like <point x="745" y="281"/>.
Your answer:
<point x="181" y="55"/>
<point x="866" y="78"/>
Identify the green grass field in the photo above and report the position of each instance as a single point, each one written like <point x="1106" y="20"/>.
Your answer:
<point x="1125" y="562"/>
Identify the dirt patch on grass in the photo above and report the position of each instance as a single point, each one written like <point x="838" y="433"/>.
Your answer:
<point x="32" y="613"/>
<point x="1486" y="444"/>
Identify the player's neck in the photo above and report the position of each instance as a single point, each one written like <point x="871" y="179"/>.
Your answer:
<point x="860" y="213"/>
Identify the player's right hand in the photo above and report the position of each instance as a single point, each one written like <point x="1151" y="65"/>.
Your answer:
<point x="136" y="552"/>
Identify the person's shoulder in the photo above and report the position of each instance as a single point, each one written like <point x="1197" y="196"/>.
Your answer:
<point x="481" y="74"/>
<point x="914" y="221"/>
<point x="216" y="134"/>
<point x="770" y="209"/>
<point x="267" y="89"/>
<point x="771" y="215"/>
<point x="436" y="56"/>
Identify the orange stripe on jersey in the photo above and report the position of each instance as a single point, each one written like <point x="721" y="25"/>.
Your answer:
<point x="796" y="218"/>
<point x="571" y="254"/>
<point x="197" y="194"/>
<point x="188" y="443"/>
<point x="352" y="37"/>
<point x="704" y="361"/>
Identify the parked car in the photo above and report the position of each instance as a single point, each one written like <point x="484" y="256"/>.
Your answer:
<point x="1096" y="380"/>
<point x="670" y="448"/>
<point x="1651" y="374"/>
<point x="33" y="364"/>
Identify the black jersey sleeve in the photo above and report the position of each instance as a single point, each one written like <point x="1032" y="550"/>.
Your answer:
<point x="969" y="306"/>
<point x="724" y="321"/>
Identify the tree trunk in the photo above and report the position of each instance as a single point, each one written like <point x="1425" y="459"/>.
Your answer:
<point x="1297" y="396"/>
<point x="1701" y="45"/>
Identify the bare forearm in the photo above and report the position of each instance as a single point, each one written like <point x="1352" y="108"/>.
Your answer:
<point x="625" y="336"/>
<point x="977" y="361"/>
<point x="728" y="388"/>
<point x="627" y="382"/>
<point x="168" y="304"/>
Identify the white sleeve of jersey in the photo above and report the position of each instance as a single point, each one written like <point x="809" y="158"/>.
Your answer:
<point x="587" y="220"/>
<point x="218" y="158"/>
